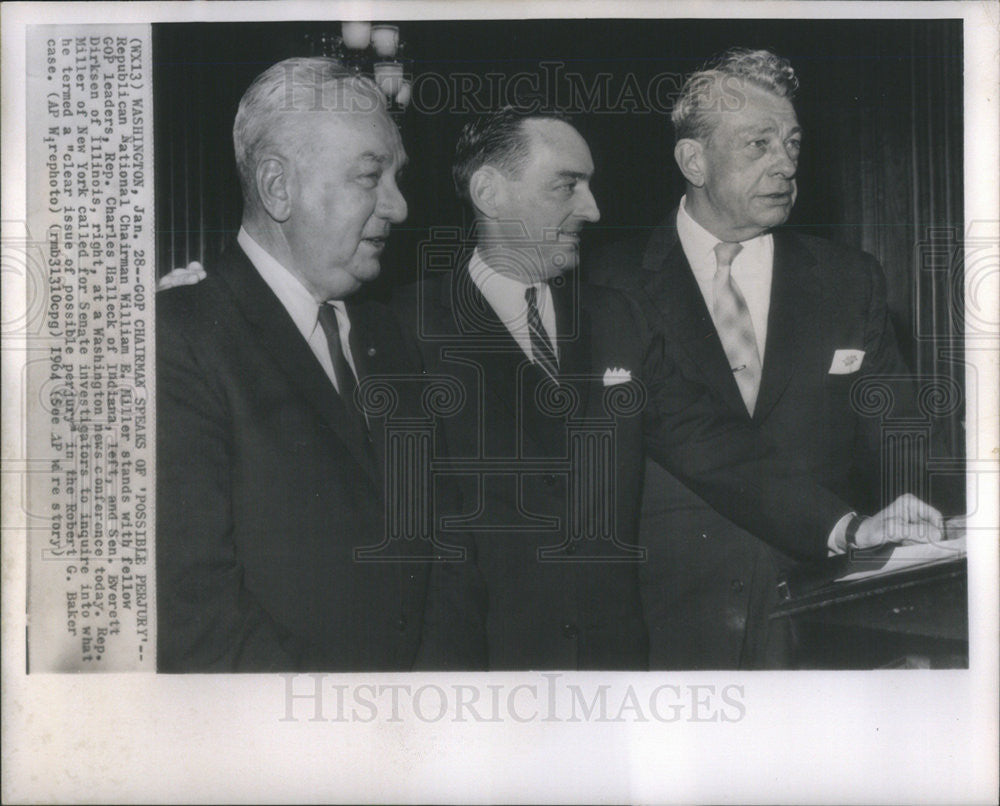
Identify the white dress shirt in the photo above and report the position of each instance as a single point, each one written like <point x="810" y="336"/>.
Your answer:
<point x="505" y="295"/>
<point x="751" y="270"/>
<point x="301" y="305"/>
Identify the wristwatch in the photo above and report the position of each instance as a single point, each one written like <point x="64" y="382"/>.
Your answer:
<point x="851" y="534"/>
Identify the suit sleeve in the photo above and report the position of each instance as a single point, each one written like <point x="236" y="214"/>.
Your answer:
<point x="207" y="620"/>
<point x="884" y="360"/>
<point x="881" y="348"/>
<point x="729" y="464"/>
<point x="616" y="265"/>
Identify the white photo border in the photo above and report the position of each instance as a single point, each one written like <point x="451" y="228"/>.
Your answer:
<point x="806" y="737"/>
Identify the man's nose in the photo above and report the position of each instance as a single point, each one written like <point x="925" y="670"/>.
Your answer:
<point x="785" y="164"/>
<point x="391" y="204"/>
<point x="587" y="208"/>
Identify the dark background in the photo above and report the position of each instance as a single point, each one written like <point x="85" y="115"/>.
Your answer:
<point x="880" y="104"/>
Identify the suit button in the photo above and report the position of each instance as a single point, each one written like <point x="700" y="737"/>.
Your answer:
<point x="737" y="585"/>
<point x="401" y="623"/>
<point x="570" y="630"/>
<point x="371" y="352"/>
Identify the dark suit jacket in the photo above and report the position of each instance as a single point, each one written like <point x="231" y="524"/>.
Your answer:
<point x="552" y="602"/>
<point x="264" y="490"/>
<point x="552" y="476"/>
<point x="824" y="297"/>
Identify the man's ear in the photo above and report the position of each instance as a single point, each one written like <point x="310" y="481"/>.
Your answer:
<point x="273" y="188"/>
<point x="487" y="190"/>
<point x="690" y="157"/>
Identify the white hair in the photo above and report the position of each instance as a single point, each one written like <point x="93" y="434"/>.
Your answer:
<point x="270" y="111"/>
<point x="692" y="114"/>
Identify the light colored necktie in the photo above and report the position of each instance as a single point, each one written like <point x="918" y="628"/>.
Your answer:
<point x="540" y="345"/>
<point x="735" y="328"/>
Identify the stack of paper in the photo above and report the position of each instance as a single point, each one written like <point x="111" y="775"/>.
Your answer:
<point x="906" y="556"/>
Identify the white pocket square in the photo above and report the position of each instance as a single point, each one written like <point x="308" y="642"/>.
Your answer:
<point x="846" y="361"/>
<point x="613" y="377"/>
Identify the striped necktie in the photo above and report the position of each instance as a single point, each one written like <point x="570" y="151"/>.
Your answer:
<point x="735" y="328"/>
<point x="541" y="347"/>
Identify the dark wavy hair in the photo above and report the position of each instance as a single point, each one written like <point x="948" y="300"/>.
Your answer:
<point x="497" y="139"/>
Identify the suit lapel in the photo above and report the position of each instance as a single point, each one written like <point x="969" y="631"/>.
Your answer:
<point x="278" y="336"/>
<point x="478" y="335"/>
<point x="509" y="376"/>
<point x="548" y="431"/>
<point x="683" y="310"/>
<point x="574" y="339"/>
<point x="788" y="320"/>
<point x="369" y="348"/>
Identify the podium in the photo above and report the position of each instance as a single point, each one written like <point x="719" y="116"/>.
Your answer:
<point x="879" y="609"/>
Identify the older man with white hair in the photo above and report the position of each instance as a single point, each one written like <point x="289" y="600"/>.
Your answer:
<point x="269" y="477"/>
<point x="779" y="327"/>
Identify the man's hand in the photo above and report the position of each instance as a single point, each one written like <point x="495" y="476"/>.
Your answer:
<point x="194" y="273"/>
<point x="906" y="520"/>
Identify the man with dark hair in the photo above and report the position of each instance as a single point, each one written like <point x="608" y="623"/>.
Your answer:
<point x="566" y="389"/>
<point x="522" y="339"/>
<point x="269" y="479"/>
<point x="779" y="326"/>
<point x="498" y="140"/>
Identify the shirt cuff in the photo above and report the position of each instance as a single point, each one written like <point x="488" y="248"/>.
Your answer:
<point x="836" y="543"/>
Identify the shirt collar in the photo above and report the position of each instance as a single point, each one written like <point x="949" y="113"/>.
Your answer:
<point x="699" y="244"/>
<point x="697" y="241"/>
<point x="503" y="292"/>
<point x="291" y="293"/>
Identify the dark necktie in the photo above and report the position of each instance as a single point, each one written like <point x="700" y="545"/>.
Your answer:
<point x="346" y="382"/>
<point x="541" y="348"/>
<point x="732" y="321"/>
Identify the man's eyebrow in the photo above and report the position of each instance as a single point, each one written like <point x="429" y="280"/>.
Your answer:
<point x="382" y="159"/>
<point x="757" y="128"/>
<point x="573" y="175"/>
<point x="764" y="129"/>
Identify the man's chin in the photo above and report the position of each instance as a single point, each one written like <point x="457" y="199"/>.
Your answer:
<point x="562" y="261"/>
<point x="352" y="279"/>
<point x="775" y="207"/>
<point x="774" y="217"/>
<point x="367" y="271"/>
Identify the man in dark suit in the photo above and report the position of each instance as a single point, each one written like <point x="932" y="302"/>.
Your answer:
<point x="269" y="478"/>
<point x="779" y="326"/>
<point x="565" y="388"/>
